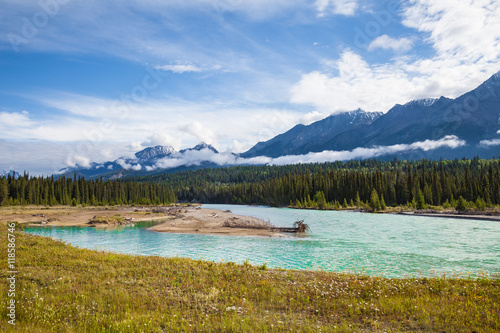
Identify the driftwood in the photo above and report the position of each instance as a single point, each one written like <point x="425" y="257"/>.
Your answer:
<point x="301" y="226"/>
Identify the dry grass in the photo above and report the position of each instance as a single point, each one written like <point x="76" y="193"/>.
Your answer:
<point x="65" y="289"/>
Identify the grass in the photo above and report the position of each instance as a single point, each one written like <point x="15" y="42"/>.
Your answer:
<point x="65" y="289"/>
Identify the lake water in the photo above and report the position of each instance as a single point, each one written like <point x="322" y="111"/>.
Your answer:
<point x="373" y="244"/>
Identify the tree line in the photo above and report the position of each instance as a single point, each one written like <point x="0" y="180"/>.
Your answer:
<point x="417" y="183"/>
<point x="28" y="190"/>
<point x="321" y="185"/>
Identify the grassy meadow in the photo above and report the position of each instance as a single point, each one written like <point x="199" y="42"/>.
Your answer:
<point x="61" y="288"/>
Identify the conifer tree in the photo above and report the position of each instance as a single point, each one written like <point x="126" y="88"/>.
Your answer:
<point x="4" y="193"/>
<point x="420" y="201"/>
<point x="374" y="201"/>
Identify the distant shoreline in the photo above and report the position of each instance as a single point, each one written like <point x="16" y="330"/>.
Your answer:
<point x="453" y="216"/>
<point x="480" y="216"/>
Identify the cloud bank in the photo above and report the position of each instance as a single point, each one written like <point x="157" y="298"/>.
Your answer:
<point x="196" y="158"/>
<point x="463" y="42"/>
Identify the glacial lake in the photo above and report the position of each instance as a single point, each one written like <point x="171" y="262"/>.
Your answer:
<point x="372" y="244"/>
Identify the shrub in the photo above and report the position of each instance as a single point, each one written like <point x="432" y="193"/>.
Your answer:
<point x="480" y="204"/>
<point x="461" y="205"/>
<point x="374" y="201"/>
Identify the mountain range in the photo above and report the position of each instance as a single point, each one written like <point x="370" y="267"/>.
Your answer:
<point x="472" y="120"/>
<point x="144" y="162"/>
<point x="473" y="117"/>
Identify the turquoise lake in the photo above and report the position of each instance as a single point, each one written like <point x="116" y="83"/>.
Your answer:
<point x="373" y="244"/>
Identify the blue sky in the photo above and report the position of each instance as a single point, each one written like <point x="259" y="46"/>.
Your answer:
<point x="90" y="80"/>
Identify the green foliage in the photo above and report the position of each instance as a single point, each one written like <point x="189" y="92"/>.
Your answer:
<point x="398" y="182"/>
<point x="420" y="201"/>
<point x="461" y="205"/>
<point x="358" y="200"/>
<point x="66" y="191"/>
<point x="344" y="204"/>
<point x="4" y="192"/>
<point x="319" y="199"/>
<point x="446" y="204"/>
<point x="374" y="201"/>
<point x="383" y="206"/>
<point x="480" y="204"/>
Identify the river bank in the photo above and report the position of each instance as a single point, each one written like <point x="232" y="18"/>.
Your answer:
<point x="488" y="215"/>
<point x="61" y="288"/>
<point x="453" y="215"/>
<point x="67" y="216"/>
<point x="190" y="219"/>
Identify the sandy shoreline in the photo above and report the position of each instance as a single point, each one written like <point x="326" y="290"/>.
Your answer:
<point x="213" y="221"/>
<point x="75" y="216"/>
<point x="178" y="219"/>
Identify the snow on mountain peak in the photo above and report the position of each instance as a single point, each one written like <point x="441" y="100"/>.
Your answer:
<point x="155" y="152"/>
<point x="200" y="146"/>
<point x="426" y="102"/>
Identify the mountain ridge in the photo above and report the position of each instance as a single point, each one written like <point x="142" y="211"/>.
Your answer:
<point x="303" y="138"/>
<point x="145" y="160"/>
<point x="472" y="116"/>
<point x="472" y="119"/>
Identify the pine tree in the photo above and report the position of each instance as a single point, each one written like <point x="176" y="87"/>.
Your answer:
<point x="420" y="201"/>
<point x="358" y="200"/>
<point x="374" y="201"/>
<point x="383" y="206"/>
<point x="461" y="204"/>
<point x="319" y="199"/>
<point x="4" y="192"/>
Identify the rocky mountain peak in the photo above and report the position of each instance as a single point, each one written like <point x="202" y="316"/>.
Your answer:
<point x="200" y="146"/>
<point x="155" y="152"/>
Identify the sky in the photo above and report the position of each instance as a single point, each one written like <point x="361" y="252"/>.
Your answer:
<point x="94" y="80"/>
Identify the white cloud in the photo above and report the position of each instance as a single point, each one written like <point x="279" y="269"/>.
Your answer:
<point x="465" y="37"/>
<point x="237" y="147"/>
<point x="357" y="84"/>
<point x="198" y="157"/>
<point x="450" y="141"/>
<point x="32" y="156"/>
<point x="128" y="166"/>
<point x="74" y="160"/>
<point x="340" y="7"/>
<point x="388" y="43"/>
<point x="16" y="119"/>
<point x="200" y="131"/>
<point x="168" y="121"/>
<point x="312" y="117"/>
<point x="179" y="68"/>
<point x="161" y="139"/>
<point x="488" y="143"/>
<point x="467" y="29"/>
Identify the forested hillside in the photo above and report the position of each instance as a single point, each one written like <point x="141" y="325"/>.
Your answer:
<point x="398" y="182"/>
<point x="415" y="183"/>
